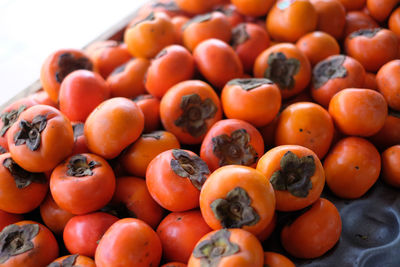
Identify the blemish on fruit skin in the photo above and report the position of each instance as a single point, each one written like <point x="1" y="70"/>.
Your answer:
<point x="357" y="168"/>
<point x="300" y="129"/>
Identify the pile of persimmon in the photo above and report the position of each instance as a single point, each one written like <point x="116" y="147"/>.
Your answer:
<point x="185" y="142"/>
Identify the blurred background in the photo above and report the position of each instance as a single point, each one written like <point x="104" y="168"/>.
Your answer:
<point x="31" y="30"/>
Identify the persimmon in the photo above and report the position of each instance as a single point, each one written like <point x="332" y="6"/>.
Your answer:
<point x="380" y="10"/>
<point x="331" y="17"/>
<point x="7" y="218"/>
<point x="178" y="22"/>
<point x="352" y="167"/>
<point x="196" y="6"/>
<point x="389" y="83"/>
<point x="274" y="259"/>
<point x="174" y="264"/>
<point x="54" y="217"/>
<point x="353" y="4"/>
<point x="357" y="20"/>
<point x="370" y="81"/>
<point x="285" y="65"/>
<point x="73" y="260"/>
<point x="390" y="163"/>
<point x="265" y="234"/>
<point x="232" y="14"/>
<point x="394" y="22"/>
<point x="389" y="134"/>
<point x="296" y="175"/>
<point x="150" y="106"/>
<point x="255" y="8"/>
<point x="42" y="97"/>
<point x="358" y="111"/>
<point x="79" y="139"/>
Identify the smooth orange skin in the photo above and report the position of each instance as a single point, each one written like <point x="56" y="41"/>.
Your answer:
<point x="381" y="9"/>
<point x="268" y="133"/>
<point x="172" y="65"/>
<point x="130" y="82"/>
<point x="255" y="8"/>
<point x="81" y="260"/>
<point x="357" y="111"/>
<point x="353" y="4"/>
<point x="258" y="106"/>
<point x="306" y="124"/>
<point x="317" y="46"/>
<point x="42" y="97"/>
<point x="389" y="135"/>
<point x="389" y="83"/>
<point x="301" y="79"/>
<point x="217" y="27"/>
<point x="217" y="62"/>
<point x="315" y="232"/>
<point x="178" y="22"/>
<point x="273" y="259"/>
<point x="179" y="232"/>
<point x="342" y="176"/>
<point x="285" y="201"/>
<point x="196" y="6"/>
<point x="7" y="218"/>
<point x="228" y="126"/>
<point x="292" y="22"/>
<point x="225" y="179"/>
<point x="80" y="93"/>
<point x="174" y="264"/>
<point x="390" y="166"/>
<point x="112" y="126"/>
<point x="50" y="68"/>
<point x="268" y="230"/>
<point x="357" y="20"/>
<point x="150" y="106"/>
<point x="256" y="43"/>
<point x="54" y="217"/>
<point x="163" y="183"/>
<point x="331" y="17"/>
<point x="82" y="232"/>
<point x="170" y="109"/>
<point x="56" y="143"/>
<point x="373" y="52"/>
<point x="250" y="251"/>
<point x="129" y="242"/>
<point x="355" y="78"/>
<point x="370" y="81"/>
<point x="147" y="38"/>
<point x="44" y="251"/>
<point x="394" y="21"/>
<point x="233" y="15"/>
<point x="133" y="193"/>
<point x="80" y="195"/>
<point x="138" y="156"/>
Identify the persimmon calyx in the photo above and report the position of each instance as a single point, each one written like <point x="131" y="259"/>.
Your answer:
<point x="195" y="112"/>
<point x="239" y="35"/>
<point x="119" y="210"/>
<point x="281" y="70"/>
<point x="8" y="118"/>
<point x="235" y="210"/>
<point x="170" y="6"/>
<point x="234" y="149"/>
<point x="249" y="84"/>
<point x="15" y="240"/>
<point x="295" y="174"/>
<point x="2" y="150"/>
<point x="149" y="17"/>
<point x="67" y="262"/>
<point x="30" y="132"/>
<point x="78" y="129"/>
<point x="22" y="177"/>
<point x="369" y="33"/>
<point x="192" y="167"/>
<point x="155" y="135"/>
<point x="197" y="19"/>
<point x="79" y="167"/>
<point x="211" y="251"/>
<point x="67" y="63"/>
<point x="326" y="70"/>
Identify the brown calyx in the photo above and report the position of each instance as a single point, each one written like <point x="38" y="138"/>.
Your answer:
<point x="68" y="63"/>
<point x="197" y="19"/>
<point x="239" y="35"/>
<point x="328" y="69"/>
<point x="67" y="262"/>
<point x="369" y="33"/>
<point x="155" y="135"/>
<point x="248" y="84"/>
<point x="79" y="167"/>
<point x="8" y="118"/>
<point x="281" y="70"/>
<point x="30" y="132"/>
<point x="22" y="177"/>
<point x="78" y="129"/>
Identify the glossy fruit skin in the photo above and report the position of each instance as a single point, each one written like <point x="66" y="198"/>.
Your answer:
<point x="50" y="69"/>
<point x="172" y="65"/>
<point x="306" y="124"/>
<point x="250" y="250"/>
<point x="133" y="193"/>
<point x="227" y="127"/>
<point x="394" y="21"/>
<point x="389" y="83"/>
<point x="317" y="46"/>
<point x="43" y="98"/>
<point x="44" y="251"/>
<point x="353" y="4"/>
<point x="138" y="156"/>
<point x="274" y="259"/>
<point x="82" y="232"/>
<point x="315" y="232"/>
<point x="150" y="106"/>
<point x="54" y="217"/>
<point x="257" y="106"/>
<point x="355" y="78"/>
<point x="357" y="20"/>
<point x="285" y="201"/>
<point x="80" y="260"/>
<point x="216" y="26"/>
<point x="331" y="17"/>
<point x="170" y="110"/>
<point x="389" y="134"/>
<point x="196" y="6"/>
<point x="380" y="10"/>
<point x="288" y="20"/>
<point x="7" y="218"/>
<point x="174" y="264"/>
<point x="179" y="232"/>
<point x="352" y="167"/>
<point x="112" y="126"/>
<point x="56" y="142"/>
<point x="128" y="80"/>
<point x="255" y="8"/>
<point x="225" y="179"/>
<point x="80" y="195"/>
<point x="80" y="92"/>
<point x="217" y="62"/>
<point x="148" y="37"/>
<point x="178" y="22"/>
<point x="301" y="78"/>
<point x="370" y="81"/>
<point x="368" y="50"/>
<point x="129" y="242"/>
<point x="359" y="112"/>
<point x="390" y="163"/>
